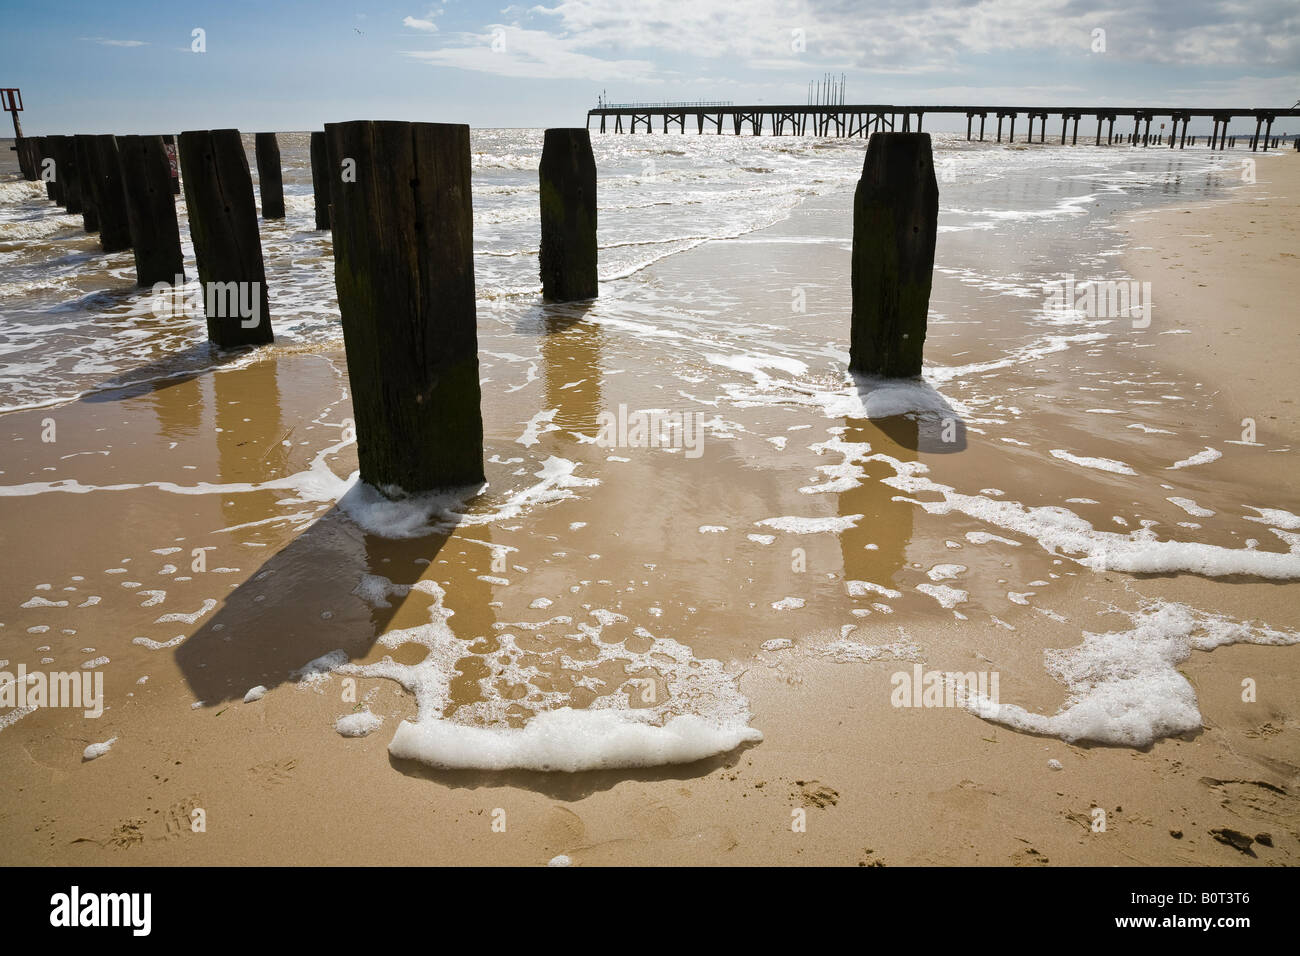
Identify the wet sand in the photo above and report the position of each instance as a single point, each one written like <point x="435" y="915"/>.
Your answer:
<point x="878" y="784"/>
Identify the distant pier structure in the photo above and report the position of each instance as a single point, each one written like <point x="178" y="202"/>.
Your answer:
<point x="849" y="120"/>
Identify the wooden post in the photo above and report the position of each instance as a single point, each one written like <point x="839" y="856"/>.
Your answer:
<point x="105" y="176"/>
<point x="227" y="245"/>
<point x="270" y="181"/>
<point x="567" y="176"/>
<point x="151" y="210"/>
<point x="69" y="181"/>
<point x="895" y="224"/>
<point x="321" y="179"/>
<point x="44" y="151"/>
<point x="26" y="147"/>
<point x="85" y="147"/>
<point x="173" y="162"/>
<point x="404" y="270"/>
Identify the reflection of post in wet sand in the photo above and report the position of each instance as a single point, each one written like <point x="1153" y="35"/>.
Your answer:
<point x="179" y="408"/>
<point x="885" y="523"/>
<point x="250" y="434"/>
<point x="571" y="355"/>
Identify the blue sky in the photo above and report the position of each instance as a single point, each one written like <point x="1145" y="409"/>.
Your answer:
<point x="129" y="67"/>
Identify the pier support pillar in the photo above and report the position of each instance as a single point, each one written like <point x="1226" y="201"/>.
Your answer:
<point x="227" y="244"/>
<point x="969" y="118"/>
<point x="895" y="224"/>
<point x="150" y="209"/>
<point x="982" y="117"/>
<point x="568" y="255"/>
<point x="1268" y="132"/>
<point x="404" y="269"/>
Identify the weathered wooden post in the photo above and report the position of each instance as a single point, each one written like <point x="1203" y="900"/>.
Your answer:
<point x="404" y="270"/>
<point x="270" y="180"/>
<point x="44" y="151"/>
<point x="895" y="224"/>
<point x="321" y="179"/>
<point x="104" y="182"/>
<point x="151" y="210"/>
<point x="567" y="176"/>
<point x="227" y="244"/>
<point x="69" y="179"/>
<point x="84" y="145"/>
<point x="28" y="158"/>
<point x="173" y="162"/>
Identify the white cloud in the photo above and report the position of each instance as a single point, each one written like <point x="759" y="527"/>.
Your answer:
<point x="646" y="40"/>
<point x="532" y="54"/>
<point x="106" y="41"/>
<point x="425" y="25"/>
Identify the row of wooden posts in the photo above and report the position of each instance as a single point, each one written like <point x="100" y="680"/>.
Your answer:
<point x="397" y="197"/>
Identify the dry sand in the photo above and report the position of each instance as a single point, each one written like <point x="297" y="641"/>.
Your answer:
<point x="878" y="785"/>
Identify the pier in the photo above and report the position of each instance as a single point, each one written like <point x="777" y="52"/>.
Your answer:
<point x="859" y="121"/>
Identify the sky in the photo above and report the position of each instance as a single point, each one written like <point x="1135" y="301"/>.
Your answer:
<point x="136" y="67"/>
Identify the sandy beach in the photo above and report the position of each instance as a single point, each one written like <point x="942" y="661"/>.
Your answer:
<point x="204" y="513"/>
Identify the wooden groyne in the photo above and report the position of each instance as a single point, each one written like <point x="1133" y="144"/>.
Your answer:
<point x="227" y="243"/>
<point x="151" y="210"/>
<point x="404" y="269"/>
<point x="567" y="185"/>
<point x="848" y="121"/>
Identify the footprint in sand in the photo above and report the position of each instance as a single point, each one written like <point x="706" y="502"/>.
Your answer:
<point x="273" y="773"/>
<point x="813" y="793"/>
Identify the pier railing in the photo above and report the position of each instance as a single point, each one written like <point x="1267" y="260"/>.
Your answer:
<point x="848" y="120"/>
<point x="667" y="105"/>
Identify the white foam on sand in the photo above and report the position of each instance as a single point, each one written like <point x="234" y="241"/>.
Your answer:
<point x="565" y="740"/>
<point x="794" y="524"/>
<point x="1275" y="517"/>
<point x="947" y="597"/>
<point x="1100" y="464"/>
<point x="317" y="670"/>
<point x="394" y="514"/>
<point x="1124" y="687"/>
<point x="1200" y="458"/>
<point x="1193" y="509"/>
<point x="695" y="712"/>
<point x="360" y="724"/>
<point x="1061" y="532"/>
<point x="98" y="750"/>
